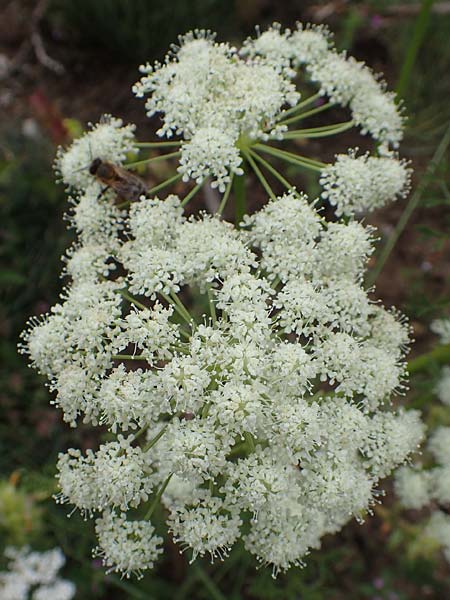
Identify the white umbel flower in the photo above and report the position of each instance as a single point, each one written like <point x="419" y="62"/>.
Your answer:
<point x="276" y="541"/>
<point x="269" y="405"/>
<point x="34" y="575"/>
<point x="286" y="232"/>
<point x="439" y="445"/>
<point x="213" y="98"/>
<point x="59" y="590"/>
<point x="274" y="45"/>
<point x="377" y="114"/>
<point x="210" y="152"/>
<point x="441" y="327"/>
<point x="309" y="44"/>
<point x="412" y="487"/>
<point x="115" y="476"/>
<point x="225" y="405"/>
<point x="341" y="77"/>
<point x="443" y="386"/>
<point x="343" y="251"/>
<point x="127" y="547"/>
<point x="391" y="436"/>
<point x="390" y="330"/>
<point x="95" y="218"/>
<point x="129" y="399"/>
<point x="89" y="262"/>
<point x="357" y="184"/>
<point x="210" y="528"/>
<point x="109" y="140"/>
<point x="438" y="529"/>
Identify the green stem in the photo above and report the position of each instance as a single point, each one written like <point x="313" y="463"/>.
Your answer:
<point x="157" y="437"/>
<point x="415" y="43"/>
<point x="271" y="169"/>
<point x="205" y="410"/>
<point x="240" y="201"/>
<point x="132" y="300"/>
<point x="181" y="306"/>
<point x="260" y="176"/>
<point x="318" y="132"/>
<point x="292" y="158"/>
<point x="213" y="590"/>
<point x="237" y="449"/>
<point x="157" y="498"/>
<point x="325" y="127"/>
<point x="182" y="314"/>
<point x="164" y="184"/>
<point x="410" y="207"/>
<point x="138" y="433"/>
<point x="128" y="357"/>
<point x="185" y="587"/>
<point x="225" y="197"/>
<point x="157" y="144"/>
<point x="308" y="113"/>
<point x="440" y="354"/>
<point x="275" y="283"/>
<point x="153" y="159"/>
<point x="192" y="193"/>
<point x="304" y="159"/>
<point x="300" y="105"/>
<point x="130" y="589"/>
<point x="249" y="441"/>
<point x="212" y="306"/>
<point x="185" y="334"/>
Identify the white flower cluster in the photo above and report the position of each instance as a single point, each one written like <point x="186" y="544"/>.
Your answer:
<point x="272" y="410"/>
<point x="211" y="97"/>
<point x="34" y="576"/>
<point x="221" y="100"/>
<point x="417" y="487"/>
<point x="355" y="184"/>
<point x="438" y="529"/>
<point x="126" y="546"/>
<point x="343" y="79"/>
<point x="107" y="140"/>
<point x="443" y="386"/>
<point x="441" y="327"/>
<point x="267" y="418"/>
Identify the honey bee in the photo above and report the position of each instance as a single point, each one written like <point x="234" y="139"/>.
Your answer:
<point x="126" y="185"/>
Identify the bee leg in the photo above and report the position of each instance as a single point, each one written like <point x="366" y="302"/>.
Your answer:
<point x="102" y="192"/>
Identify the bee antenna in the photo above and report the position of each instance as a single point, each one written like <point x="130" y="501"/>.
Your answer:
<point x="82" y="168"/>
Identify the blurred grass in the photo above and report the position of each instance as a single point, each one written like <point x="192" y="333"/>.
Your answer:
<point x="416" y="41"/>
<point x="426" y="84"/>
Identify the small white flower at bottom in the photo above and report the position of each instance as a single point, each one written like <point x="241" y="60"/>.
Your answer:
<point x="126" y="546"/>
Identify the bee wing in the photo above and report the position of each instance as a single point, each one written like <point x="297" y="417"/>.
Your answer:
<point x="127" y="185"/>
